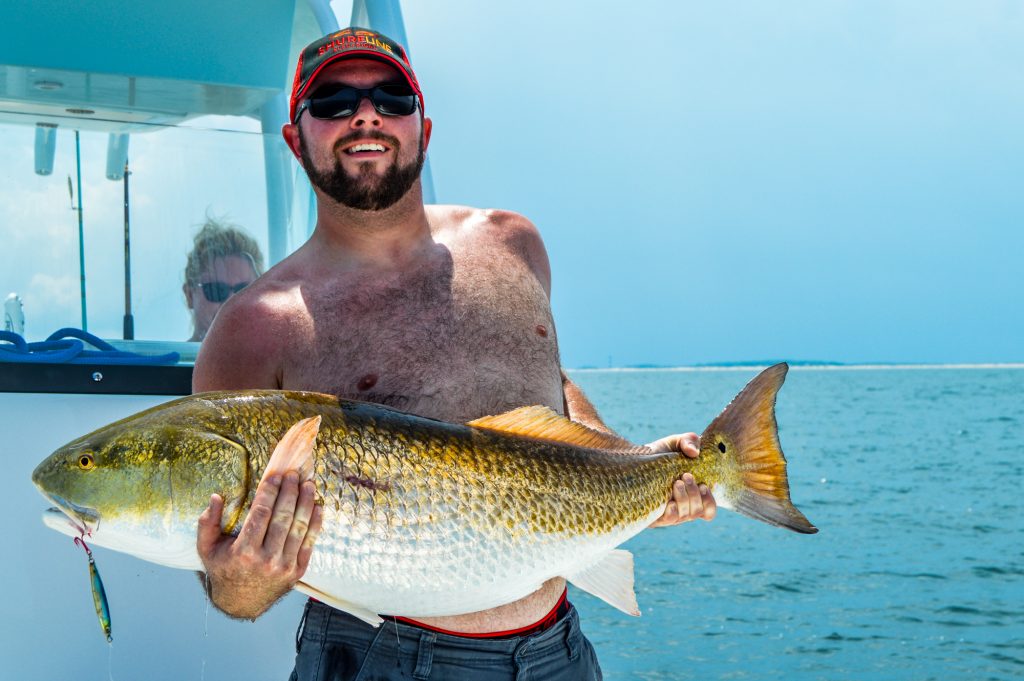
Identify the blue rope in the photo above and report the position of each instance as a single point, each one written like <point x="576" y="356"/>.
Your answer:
<point x="67" y="346"/>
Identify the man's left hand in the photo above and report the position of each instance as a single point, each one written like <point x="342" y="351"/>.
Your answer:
<point x="689" y="500"/>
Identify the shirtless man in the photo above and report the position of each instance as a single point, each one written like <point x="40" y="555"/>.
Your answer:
<point x="442" y="311"/>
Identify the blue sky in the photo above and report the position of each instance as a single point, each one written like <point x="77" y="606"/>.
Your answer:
<point x="715" y="182"/>
<point x="742" y="180"/>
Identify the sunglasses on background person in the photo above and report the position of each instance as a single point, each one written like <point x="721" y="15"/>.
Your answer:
<point x="218" y="291"/>
<point x="342" y="101"/>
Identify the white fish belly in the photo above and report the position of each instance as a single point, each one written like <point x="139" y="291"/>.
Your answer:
<point x="449" y="570"/>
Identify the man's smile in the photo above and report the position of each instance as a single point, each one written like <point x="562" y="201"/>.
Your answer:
<point x="366" y="149"/>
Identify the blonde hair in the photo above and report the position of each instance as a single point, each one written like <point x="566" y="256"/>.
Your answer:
<point x="219" y="239"/>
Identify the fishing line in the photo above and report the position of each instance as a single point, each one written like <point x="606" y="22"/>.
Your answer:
<point x="206" y="625"/>
<point x="206" y="618"/>
<point x="398" y="657"/>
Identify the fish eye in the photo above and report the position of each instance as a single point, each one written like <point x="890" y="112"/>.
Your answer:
<point x="86" y="461"/>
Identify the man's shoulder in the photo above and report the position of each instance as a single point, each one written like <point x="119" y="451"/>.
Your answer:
<point x="492" y="231"/>
<point x="486" y="223"/>
<point x="246" y="343"/>
<point x="271" y="297"/>
<point x="243" y="348"/>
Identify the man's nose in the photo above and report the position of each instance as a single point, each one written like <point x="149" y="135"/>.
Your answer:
<point x="366" y="115"/>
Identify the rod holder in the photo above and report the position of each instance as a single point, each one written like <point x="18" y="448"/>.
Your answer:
<point x="117" y="155"/>
<point x="46" y="147"/>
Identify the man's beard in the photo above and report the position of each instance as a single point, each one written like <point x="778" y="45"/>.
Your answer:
<point x="363" y="191"/>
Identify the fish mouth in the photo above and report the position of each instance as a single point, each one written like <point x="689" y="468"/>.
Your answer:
<point x="84" y="520"/>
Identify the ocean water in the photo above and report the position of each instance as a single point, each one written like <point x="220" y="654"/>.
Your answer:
<point x="914" y="477"/>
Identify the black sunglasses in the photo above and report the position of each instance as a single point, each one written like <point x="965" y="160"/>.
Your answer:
<point x="218" y="291"/>
<point x="342" y="101"/>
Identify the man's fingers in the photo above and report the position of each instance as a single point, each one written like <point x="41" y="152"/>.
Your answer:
<point x="306" y="550"/>
<point x="689" y="501"/>
<point x="668" y="517"/>
<point x="687" y="443"/>
<point x="669" y="443"/>
<point x="694" y="502"/>
<point x="710" y="506"/>
<point x="300" y="522"/>
<point x="284" y="513"/>
<point x="209" y="526"/>
<point x="254" y="529"/>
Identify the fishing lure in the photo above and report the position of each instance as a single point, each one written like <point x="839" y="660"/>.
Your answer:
<point x="99" y="596"/>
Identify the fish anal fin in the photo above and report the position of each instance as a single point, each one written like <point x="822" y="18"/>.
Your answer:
<point x="543" y="423"/>
<point x="611" y="580"/>
<point x="371" y="618"/>
<point x="294" y="451"/>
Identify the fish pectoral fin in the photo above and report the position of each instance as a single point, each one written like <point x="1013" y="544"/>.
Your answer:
<point x="294" y="451"/>
<point x="611" y="580"/>
<point x="542" y="423"/>
<point x="371" y="618"/>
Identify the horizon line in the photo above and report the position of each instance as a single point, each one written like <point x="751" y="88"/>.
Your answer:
<point x="809" y="367"/>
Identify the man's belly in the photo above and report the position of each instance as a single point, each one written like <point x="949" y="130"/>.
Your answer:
<point x="521" y="613"/>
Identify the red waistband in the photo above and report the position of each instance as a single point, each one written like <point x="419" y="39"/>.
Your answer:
<point x="543" y="624"/>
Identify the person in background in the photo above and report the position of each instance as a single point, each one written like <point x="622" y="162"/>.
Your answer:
<point x="223" y="261"/>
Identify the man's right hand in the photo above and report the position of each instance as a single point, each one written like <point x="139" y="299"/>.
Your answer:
<point x="249" y="573"/>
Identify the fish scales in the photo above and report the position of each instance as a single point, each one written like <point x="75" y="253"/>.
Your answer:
<point x="367" y="460"/>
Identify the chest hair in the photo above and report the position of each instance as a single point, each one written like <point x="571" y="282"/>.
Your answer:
<point x="455" y="339"/>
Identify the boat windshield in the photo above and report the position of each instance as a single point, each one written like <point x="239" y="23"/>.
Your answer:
<point x="70" y="224"/>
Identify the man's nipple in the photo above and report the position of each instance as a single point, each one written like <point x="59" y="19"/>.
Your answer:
<point x="542" y="331"/>
<point x="366" y="382"/>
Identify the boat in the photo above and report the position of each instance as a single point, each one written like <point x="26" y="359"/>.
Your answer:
<point x="125" y="125"/>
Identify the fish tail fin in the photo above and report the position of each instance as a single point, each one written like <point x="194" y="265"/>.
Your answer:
<point x="744" y="439"/>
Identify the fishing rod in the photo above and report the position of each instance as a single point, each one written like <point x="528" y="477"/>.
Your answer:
<point x="81" y="231"/>
<point x="129" y="320"/>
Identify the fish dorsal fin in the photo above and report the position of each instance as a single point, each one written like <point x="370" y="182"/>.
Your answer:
<point x="611" y="580"/>
<point x="542" y="423"/>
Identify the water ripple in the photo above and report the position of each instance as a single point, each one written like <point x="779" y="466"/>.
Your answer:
<point x="987" y="571"/>
<point x="906" y="575"/>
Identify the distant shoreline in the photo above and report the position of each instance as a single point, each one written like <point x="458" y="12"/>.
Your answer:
<point x="803" y="366"/>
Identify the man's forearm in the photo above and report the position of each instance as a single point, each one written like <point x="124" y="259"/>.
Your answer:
<point x="579" y="408"/>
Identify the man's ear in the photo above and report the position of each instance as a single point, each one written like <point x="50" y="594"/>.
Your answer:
<point x="290" y="132"/>
<point x="428" y="126"/>
<point x="188" y="291"/>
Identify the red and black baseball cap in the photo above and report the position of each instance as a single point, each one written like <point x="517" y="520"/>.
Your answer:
<point x="345" y="44"/>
